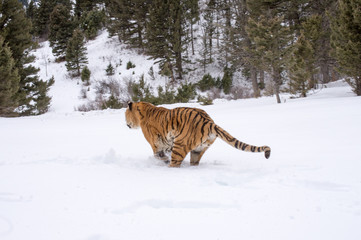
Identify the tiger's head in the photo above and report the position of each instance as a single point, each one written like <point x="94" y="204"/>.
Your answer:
<point x="132" y="116"/>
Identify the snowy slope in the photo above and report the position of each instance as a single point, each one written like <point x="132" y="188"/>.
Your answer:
<point x="102" y="51"/>
<point x="67" y="175"/>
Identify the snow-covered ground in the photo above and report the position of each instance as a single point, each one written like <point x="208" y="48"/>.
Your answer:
<point x="68" y="175"/>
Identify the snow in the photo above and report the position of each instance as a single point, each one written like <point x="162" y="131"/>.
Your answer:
<point x="66" y="92"/>
<point x="67" y="175"/>
<point x="86" y="176"/>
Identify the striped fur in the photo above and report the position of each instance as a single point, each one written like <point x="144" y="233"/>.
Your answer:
<point x="176" y="132"/>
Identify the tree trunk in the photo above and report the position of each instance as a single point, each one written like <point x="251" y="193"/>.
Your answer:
<point x="325" y="72"/>
<point x="140" y="37"/>
<point x="358" y="86"/>
<point x="261" y="78"/>
<point x="179" y="66"/>
<point x="311" y="82"/>
<point x="277" y="83"/>
<point x="256" y="92"/>
<point x="192" y="42"/>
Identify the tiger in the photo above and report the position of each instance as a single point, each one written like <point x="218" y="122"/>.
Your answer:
<point x="176" y="132"/>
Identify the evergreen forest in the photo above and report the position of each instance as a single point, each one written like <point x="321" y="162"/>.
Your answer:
<point x="296" y="45"/>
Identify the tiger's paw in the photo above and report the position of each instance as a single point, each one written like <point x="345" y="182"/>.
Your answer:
<point x="194" y="163"/>
<point x="175" y="164"/>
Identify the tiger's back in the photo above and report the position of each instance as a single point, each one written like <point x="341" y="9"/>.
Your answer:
<point x="179" y="131"/>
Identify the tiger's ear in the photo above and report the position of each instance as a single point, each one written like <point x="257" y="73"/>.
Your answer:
<point x="130" y="105"/>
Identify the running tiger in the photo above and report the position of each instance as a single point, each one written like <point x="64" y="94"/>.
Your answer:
<point x="176" y="132"/>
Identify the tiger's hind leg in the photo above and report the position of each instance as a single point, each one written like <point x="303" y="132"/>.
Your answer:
<point x="179" y="152"/>
<point x="197" y="153"/>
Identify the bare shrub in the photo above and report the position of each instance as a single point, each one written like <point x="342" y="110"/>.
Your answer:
<point x="90" y="106"/>
<point x="240" y="92"/>
<point x="83" y="93"/>
<point x="109" y="86"/>
<point x="109" y="94"/>
<point x="268" y="90"/>
<point x="214" y="93"/>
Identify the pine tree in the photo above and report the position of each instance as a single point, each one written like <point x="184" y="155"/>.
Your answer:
<point x="9" y="80"/>
<point x="346" y="40"/>
<point x="227" y="34"/>
<point x="302" y="66"/>
<point x="177" y="29"/>
<point x="204" y="52"/>
<point x="61" y="29"/>
<point x="91" y="22"/>
<point x="42" y="18"/>
<point x="24" y="2"/>
<point x="128" y="20"/>
<point x="30" y="10"/>
<point x="313" y="32"/>
<point x="192" y="16"/>
<point x="166" y="35"/>
<point x="136" y="30"/>
<point x="15" y="29"/>
<point x="271" y="37"/>
<point x="76" y="53"/>
<point x="158" y="36"/>
<point x="84" y="6"/>
<point x="323" y="9"/>
<point x="209" y="30"/>
<point x="243" y="52"/>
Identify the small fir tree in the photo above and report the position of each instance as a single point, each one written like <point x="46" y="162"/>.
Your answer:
<point x="227" y="80"/>
<point x="110" y="70"/>
<point x="141" y="90"/>
<point x="112" y="103"/>
<point x="76" y="53"/>
<point x="130" y="65"/>
<point x="206" y="83"/>
<point x="33" y="93"/>
<point x="85" y="75"/>
<point x="186" y="92"/>
<point x="42" y="99"/>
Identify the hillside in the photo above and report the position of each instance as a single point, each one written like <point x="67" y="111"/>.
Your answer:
<point x="66" y="92"/>
<point x="86" y="176"/>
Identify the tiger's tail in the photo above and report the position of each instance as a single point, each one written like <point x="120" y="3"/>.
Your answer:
<point x="228" y="138"/>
